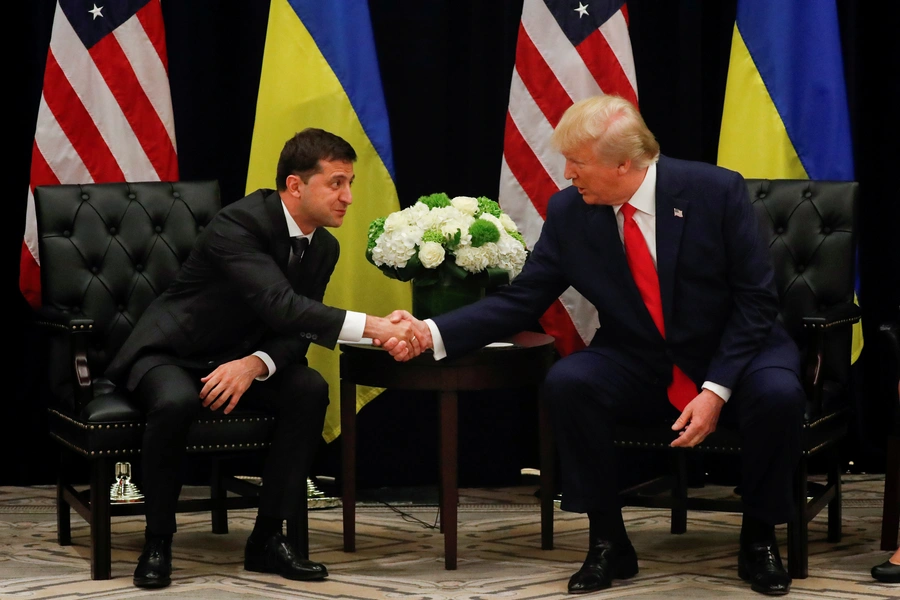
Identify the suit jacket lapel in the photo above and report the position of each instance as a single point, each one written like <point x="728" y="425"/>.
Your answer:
<point x="671" y="213"/>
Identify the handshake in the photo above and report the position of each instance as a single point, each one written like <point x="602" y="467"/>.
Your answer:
<point x="400" y="333"/>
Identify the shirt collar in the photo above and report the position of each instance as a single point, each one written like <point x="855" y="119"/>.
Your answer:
<point x="294" y="229"/>
<point x="644" y="199"/>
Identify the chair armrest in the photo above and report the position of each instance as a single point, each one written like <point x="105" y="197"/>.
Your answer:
<point x="845" y="313"/>
<point x="74" y="334"/>
<point x="818" y="325"/>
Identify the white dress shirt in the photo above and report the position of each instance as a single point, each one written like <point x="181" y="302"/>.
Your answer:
<point x="644" y="200"/>
<point x="354" y="322"/>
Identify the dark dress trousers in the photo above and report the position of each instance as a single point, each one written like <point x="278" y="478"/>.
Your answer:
<point x="234" y="295"/>
<point x="720" y="310"/>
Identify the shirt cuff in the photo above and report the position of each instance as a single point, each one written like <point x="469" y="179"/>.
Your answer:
<point x="437" y="342"/>
<point x="269" y="364"/>
<point x="719" y="390"/>
<point x="354" y="325"/>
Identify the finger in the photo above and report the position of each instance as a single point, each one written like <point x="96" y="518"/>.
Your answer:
<point x="212" y="399"/>
<point x="691" y="436"/>
<point x="221" y="399"/>
<point x="376" y="342"/>
<point x="232" y="403"/>
<point x="206" y="391"/>
<point x="683" y="420"/>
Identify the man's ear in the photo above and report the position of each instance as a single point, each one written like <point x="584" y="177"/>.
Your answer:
<point x="294" y="185"/>
<point x="624" y="167"/>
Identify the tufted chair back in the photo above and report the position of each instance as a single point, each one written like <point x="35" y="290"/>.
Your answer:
<point x="112" y="249"/>
<point x="810" y="230"/>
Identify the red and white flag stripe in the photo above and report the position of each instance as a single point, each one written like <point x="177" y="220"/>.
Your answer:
<point x="105" y="115"/>
<point x="551" y="73"/>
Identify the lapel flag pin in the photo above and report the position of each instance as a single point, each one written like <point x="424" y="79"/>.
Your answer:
<point x="678" y="213"/>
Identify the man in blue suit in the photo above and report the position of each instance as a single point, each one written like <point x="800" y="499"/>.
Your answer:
<point x="692" y="336"/>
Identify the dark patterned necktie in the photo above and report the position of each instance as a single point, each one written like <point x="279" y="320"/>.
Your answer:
<point x="298" y="247"/>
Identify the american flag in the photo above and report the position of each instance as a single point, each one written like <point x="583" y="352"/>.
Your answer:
<point x="567" y="50"/>
<point x="106" y="111"/>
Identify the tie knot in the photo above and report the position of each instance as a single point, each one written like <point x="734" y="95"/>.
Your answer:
<point x="627" y="210"/>
<point x="298" y="245"/>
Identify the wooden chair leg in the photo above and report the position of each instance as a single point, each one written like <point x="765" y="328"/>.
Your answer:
<point x="890" y="518"/>
<point x="798" y="529"/>
<point x="679" y="492"/>
<point x="834" y="507"/>
<point x="101" y="530"/>
<point x="218" y="493"/>
<point x="63" y="510"/>
<point x="548" y="473"/>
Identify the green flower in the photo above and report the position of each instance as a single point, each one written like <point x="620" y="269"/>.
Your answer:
<point x="486" y="205"/>
<point x="376" y="228"/>
<point x="518" y="237"/>
<point x="483" y="232"/>
<point x="438" y="200"/>
<point x="433" y="235"/>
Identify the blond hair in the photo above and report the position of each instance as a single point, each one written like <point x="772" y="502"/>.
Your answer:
<point x="612" y="125"/>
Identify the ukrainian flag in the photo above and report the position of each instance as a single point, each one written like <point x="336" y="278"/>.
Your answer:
<point x="320" y="70"/>
<point x="786" y="114"/>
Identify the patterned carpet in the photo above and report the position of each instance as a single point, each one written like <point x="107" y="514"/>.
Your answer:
<point x="400" y="554"/>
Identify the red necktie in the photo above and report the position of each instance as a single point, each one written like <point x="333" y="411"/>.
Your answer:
<point x="682" y="390"/>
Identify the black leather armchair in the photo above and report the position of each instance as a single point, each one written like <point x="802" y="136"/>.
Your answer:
<point x="810" y="227"/>
<point x="106" y="251"/>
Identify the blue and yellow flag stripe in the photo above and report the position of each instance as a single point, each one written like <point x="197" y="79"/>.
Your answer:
<point x="786" y="114"/>
<point x="320" y="70"/>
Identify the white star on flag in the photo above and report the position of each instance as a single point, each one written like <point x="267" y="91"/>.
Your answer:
<point x="581" y="10"/>
<point x="96" y="11"/>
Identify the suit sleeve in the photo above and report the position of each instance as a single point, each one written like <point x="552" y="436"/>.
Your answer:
<point x="241" y="254"/>
<point x="752" y="282"/>
<point x="286" y="349"/>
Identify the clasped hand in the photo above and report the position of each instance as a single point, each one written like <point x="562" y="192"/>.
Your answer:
<point x="405" y="336"/>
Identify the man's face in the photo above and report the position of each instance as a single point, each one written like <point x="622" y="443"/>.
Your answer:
<point x="323" y="201"/>
<point x="597" y="181"/>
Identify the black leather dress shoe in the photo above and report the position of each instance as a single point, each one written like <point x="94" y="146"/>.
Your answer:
<point x="886" y="572"/>
<point x="760" y="564"/>
<point x="154" y="568"/>
<point x="605" y="561"/>
<point x="276" y="555"/>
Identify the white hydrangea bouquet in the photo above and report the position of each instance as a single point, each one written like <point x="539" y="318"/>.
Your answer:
<point x="456" y="242"/>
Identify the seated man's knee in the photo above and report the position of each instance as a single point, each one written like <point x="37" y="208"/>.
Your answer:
<point x="782" y="395"/>
<point x="307" y="382"/>
<point x="566" y="378"/>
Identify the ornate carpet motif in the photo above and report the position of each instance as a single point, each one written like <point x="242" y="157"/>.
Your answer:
<point x="400" y="555"/>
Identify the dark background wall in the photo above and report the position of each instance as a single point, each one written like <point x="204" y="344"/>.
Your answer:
<point x="446" y="68"/>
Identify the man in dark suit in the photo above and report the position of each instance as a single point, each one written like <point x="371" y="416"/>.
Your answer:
<point x="669" y="253"/>
<point x="235" y="326"/>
